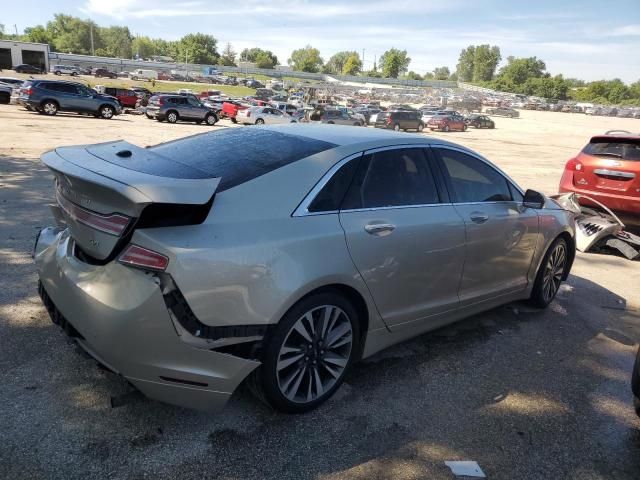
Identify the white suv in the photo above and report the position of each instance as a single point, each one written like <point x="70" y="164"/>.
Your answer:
<point x="65" y="69"/>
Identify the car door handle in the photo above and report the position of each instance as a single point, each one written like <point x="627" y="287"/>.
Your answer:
<point x="479" y="217"/>
<point x="379" y="229"/>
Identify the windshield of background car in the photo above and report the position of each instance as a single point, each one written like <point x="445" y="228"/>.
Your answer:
<point x="623" y="148"/>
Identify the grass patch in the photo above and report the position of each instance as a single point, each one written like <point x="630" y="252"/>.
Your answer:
<point x="165" y="86"/>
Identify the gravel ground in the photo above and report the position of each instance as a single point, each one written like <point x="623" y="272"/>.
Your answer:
<point x="528" y="394"/>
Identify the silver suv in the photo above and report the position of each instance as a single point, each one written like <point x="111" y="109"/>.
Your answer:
<point x="180" y="107"/>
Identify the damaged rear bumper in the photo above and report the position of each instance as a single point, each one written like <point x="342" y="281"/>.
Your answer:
<point x="118" y="316"/>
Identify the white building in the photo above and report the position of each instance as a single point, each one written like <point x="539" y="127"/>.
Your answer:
<point x="14" y="53"/>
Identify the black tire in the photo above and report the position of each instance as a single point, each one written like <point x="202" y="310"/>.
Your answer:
<point x="464" y="128"/>
<point x="150" y="117"/>
<point x="267" y="375"/>
<point x="74" y="74"/>
<point x="259" y="121"/>
<point x="211" y="119"/>
<point x="420" y="127"/>
<point x="330" y="122"/>
<point x="106" y="112"/>
<point x="5" y="98"/>
<point x="357" y="124"/>
<point x="49" y="107"/>
<point x="396" y="127"/>
<point x="57" y="73"/>
<point x="445" y="128"/>
<point x="172" y="116"/>
<point x="539" y="297"/>
<point x="233" y="120"/>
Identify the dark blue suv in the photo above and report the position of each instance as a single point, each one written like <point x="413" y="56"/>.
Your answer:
<point x="49" y="97"/>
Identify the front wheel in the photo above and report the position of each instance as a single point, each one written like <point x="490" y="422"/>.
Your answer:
<point x="550" y="274"/>
<point x="107" y="112"/>
<point x="49" y="108"/>
<point x="259" y="121"/>
<point x="211" y="119"/>
<point x="309" y="353"/>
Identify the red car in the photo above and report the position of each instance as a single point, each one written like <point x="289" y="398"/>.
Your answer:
<point x="127" y="98"/>
<point x="230" y="110"/>
<point x="447" y="123"/>
<point x="607" y="169"/>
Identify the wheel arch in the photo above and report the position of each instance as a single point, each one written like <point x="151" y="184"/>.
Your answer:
<point x="53" y="100"/>
<point x="571" y="243"/>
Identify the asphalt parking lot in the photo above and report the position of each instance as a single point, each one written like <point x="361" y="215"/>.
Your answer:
<point x="527" y="394"/>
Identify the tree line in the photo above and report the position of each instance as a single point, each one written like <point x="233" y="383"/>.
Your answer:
<point x="477" y="64"/>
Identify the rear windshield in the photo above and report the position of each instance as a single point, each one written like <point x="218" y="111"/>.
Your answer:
<point x="622" y="148"/>
<point x="234" y="155"/>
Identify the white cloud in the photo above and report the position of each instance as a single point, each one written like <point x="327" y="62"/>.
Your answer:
<point x="627" y="30"/>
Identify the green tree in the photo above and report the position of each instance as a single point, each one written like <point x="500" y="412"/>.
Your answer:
<point x="429" y="76"/>
<point x="518" y="70"/>
<point x="196" y="48"/>
<point x="116" y="41"/>
<point x="336" y="62"/>
<point x="143" y="47"/>
<point x="485" y="61"/>
<point x="411" y="75"/>
<point x="254" y="54"/>
<point x="441" y="73"/>
<point x="306" y="59"/>
<point x="394" y="62"/>
<point x="266" y="60"/>
<point x="72" y="34"/>
<point x="465" y="64"/>
<point x="228" y="57"/>
<point x="37" y="34"/>
<point x="353" y="65"/>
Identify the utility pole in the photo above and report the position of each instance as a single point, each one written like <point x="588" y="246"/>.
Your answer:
<point x="16" y="28"/>
<point x="363" y="59"/>
<point x="186" y="69"/>
<point x="91" y="34"/>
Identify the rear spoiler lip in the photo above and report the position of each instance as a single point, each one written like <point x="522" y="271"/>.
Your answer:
<point x="141" y="188"/>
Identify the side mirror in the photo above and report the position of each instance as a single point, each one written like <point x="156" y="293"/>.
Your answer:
<point x="533" y="199"/>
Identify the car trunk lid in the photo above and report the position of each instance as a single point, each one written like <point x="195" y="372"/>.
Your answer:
<point x="610" y="164"/>
<point x="102" y="191"/>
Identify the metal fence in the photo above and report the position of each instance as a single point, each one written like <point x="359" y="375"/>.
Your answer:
<point x="121" y="64"/>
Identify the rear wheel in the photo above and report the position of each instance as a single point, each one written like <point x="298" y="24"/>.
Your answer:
<point x="420" y="127"/>
<point x="550" y="274"/>
<point x="396" y="127"/>
<point x="58" y="73"/>
<point x="107" y="112"/>
<point x="49" y="108"/>
<point x="172" y="117"/>
<point x="259" y="121"/>
<point x="464" y="128"/>
<point x="309" y="352"/>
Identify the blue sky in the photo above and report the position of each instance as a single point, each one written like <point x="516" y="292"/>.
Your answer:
<point x="585" y="39"/>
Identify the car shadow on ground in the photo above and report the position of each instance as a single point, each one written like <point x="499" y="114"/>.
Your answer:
<point x="488" y="388"/>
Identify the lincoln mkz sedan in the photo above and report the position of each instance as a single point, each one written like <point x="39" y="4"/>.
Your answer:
<point x="283" y="254"/>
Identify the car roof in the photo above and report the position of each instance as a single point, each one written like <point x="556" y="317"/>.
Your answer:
<point x="353" y="136"/>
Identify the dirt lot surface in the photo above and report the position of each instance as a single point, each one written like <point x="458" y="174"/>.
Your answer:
<point x="528" y="394"/>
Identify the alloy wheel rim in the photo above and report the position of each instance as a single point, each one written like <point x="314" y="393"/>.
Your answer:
<point x="553" y="272"/>
<point x="106" y="112"/>
<point x="314" y="354"/>
<point x="49" y="108"/>
<point x="172" y="117"/>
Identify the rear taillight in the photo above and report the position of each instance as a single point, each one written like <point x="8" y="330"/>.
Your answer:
<point x="27" y="91"/>
<point x="113" y="224"/>
<point x="574" y="165"/>
<point x="160" y="101"/>
<point x="140" y="257"/>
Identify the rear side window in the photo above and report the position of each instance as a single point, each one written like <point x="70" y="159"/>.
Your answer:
<point x="472" y="180"/>
<point x="331" y="195"/>
<point x="392" y="178"/>
<point x="622" y="148"/>
<point x="217" y="155"/>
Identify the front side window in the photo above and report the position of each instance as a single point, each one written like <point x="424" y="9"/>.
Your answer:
<point x="472" y="180"/>
<point x="392" y="178"/>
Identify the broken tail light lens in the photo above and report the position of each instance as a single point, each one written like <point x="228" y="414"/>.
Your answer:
<point x="140" y="257"/>
<point x="574" y="165"/>
<point x="113" y="224"/>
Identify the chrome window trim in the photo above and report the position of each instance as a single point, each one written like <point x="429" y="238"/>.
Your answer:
<point x="485" y="161"/>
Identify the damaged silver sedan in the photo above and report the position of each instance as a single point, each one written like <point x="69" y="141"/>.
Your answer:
<point x="283" y="254"/>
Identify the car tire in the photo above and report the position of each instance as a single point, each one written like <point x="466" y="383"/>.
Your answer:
<point x="172" y="116"/>
<point x="549" y="277"/>
<point x="150" y="117"/>
<point x="107" y="112"/>
<point x="259" y="121"/>
<point x="396" y="127"/>
<point x="464" y="128"/>
<point x="445" y="128"/>
<point x="211" y="119"/>
<point x="298" y="371"/>
<point x="330" y="123"/>
<point x="57" y="73"/>
<point x="74" y="74"/>
<point x="357" y="124"/>
<point x="233" y="120"/>
<point x="49" y="107"/>
<point x="420" y="128"/>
